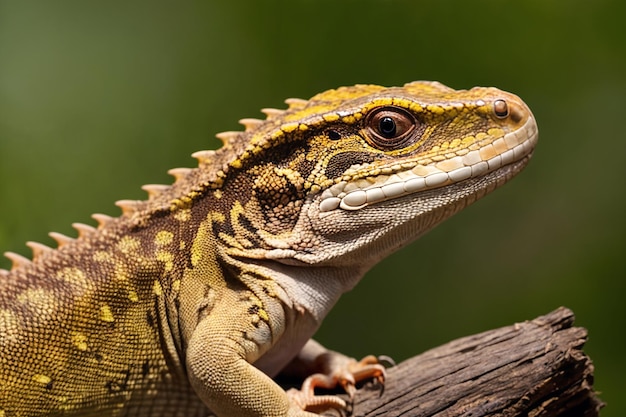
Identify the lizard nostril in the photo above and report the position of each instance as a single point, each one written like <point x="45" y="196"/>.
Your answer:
<point x="333" y="135"/>
<point x="501" y="108"/>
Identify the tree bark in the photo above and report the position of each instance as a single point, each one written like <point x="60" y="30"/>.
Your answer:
<point x="535" y="368"/>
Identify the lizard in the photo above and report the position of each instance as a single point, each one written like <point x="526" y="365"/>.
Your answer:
<point x="191" y="301"/>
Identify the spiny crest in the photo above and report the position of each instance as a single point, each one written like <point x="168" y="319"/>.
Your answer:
<point x="60" y="238"/>
<point x="129" y="206"/>
<point x="204" y="157"/>
<point x="228" y="137"/>
<point x="272" y="113"/>
<point x="214" y="164"/>
<point x="293" y="103"/>
<point x="234" y="142"/>
<point x="39" y="249"/>
<point x="296" y="103"/>
<point x="83" y="230"/>
<point x="179" y="173"/>
<point x="18" y="260"/>
<point x="102" y="219"/>
<point x="154" y="189"/>
<point x="250" y="123"/>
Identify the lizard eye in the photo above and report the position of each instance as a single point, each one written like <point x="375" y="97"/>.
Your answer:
<point x="387" y="127"/>
<point x="390" y="128"/>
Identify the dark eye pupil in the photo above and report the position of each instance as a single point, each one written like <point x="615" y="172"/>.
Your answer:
<point x="387" y="126"/>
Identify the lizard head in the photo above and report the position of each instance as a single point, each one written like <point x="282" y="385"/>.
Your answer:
<point x="354" y="173"/>
<point x="340" y="180"/>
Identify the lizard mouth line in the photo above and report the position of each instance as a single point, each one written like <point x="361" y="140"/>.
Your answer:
<point x="510" y="148"/>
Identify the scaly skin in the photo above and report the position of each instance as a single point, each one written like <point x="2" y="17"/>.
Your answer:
<point x="163" y="311"/>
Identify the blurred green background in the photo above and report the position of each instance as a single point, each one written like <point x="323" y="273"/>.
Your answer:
<point x="98" y="98"/>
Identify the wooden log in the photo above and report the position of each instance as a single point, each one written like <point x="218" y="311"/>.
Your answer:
<point x="535" y="368"/>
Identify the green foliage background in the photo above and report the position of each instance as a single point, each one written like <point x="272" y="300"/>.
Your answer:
<point x="100" y="97"/>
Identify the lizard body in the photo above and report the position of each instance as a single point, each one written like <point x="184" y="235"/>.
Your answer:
<point x="192" y="300"/>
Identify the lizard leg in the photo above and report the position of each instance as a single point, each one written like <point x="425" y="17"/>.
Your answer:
<point x="328" y="369"/>
<point x="218" y="359"/>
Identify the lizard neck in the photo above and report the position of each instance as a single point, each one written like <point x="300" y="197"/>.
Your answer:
<point x="312" y="289"/>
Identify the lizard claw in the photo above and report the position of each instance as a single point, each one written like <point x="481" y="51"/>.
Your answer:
<point x="306" y="399"/>
<point x="387" y="361"/>
<point x="337" y="369"/>
<point x="367" y="368"/>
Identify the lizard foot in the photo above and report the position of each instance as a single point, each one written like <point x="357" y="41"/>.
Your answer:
<point x="336" y="369"/>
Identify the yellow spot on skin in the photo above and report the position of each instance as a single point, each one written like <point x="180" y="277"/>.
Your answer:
<point x="384" y="101"/>
<point x="102" y="256"/>
<point x="132" y="296"/>
<point x="263" y="315"/>
<point x="218" y="217"/>
<point x="217" y="194"/>
<point x="163" y="238"/>
<point x="331" y="117"/>
<point x="106" y="314"/>
<point x="435" y="109"/>
<point x="167" y="258"/>
<point x="9" y="326"/>
<point x="176" y="285"/>
<point x="157" y="289"/>
<point x="183" y="215"/>
<point x="42" y="379"/>
<point x="402" y="102"/>
<point x="121" y="273"/>
<point x="348" y="119"/>
<point x="182" y="203"/>
<point x="80" y="341"/>
<point x="289" y="127"/>
<point x="182" y="245"/>
<point x="260" y="312"/>
<point x="128" y="244"/>
<point x="496" y="132"/>
<point x="203" y="254"/>
<point x="73" y="276"/>
<point x="236" y="164"/>
<point x="38" y="299"/>
<point x="468" y="140"/>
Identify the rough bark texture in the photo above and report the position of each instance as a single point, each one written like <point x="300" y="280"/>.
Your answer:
<point x="535" y="368"/>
